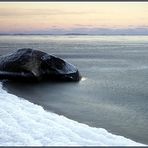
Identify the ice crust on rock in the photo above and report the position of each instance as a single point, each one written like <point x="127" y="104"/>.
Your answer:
<point x="23" y="123"/>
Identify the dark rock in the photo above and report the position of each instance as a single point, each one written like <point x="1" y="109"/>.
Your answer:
<point x="29" y="64"/>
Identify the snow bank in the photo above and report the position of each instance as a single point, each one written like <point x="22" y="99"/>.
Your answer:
<point x="25" y="124"/>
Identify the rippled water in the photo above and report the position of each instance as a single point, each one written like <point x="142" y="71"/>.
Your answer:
<point x="113" y="93"/>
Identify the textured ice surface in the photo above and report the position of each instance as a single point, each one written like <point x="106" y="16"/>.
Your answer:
<point x="25" y="124"/>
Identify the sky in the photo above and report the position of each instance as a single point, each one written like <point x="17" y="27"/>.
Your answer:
<point x="74" y="17"/>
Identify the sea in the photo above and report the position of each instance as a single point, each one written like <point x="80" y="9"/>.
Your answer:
<point x="113" y="91"/>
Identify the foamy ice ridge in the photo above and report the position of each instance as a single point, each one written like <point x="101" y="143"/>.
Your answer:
<point x="25" y="124"/>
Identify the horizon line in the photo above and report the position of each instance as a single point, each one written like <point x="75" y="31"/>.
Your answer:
<point x="70" y="34"/>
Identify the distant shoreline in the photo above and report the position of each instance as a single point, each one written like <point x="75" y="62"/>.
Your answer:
<point x="78" y="34"/>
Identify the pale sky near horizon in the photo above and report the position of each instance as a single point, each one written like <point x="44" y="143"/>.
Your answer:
<point x="41" y="16"/>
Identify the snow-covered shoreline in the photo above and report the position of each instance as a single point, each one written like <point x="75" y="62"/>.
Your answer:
<point x="23" y="123"/>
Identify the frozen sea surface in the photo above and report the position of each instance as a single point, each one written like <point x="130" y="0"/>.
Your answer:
<point x="25" y="124"/>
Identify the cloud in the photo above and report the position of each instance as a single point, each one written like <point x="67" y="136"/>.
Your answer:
<point x="86" y="30"/>
<point x="141" y="30"/>
<point x="112" y="31"/>
<point x="33" y="12"/>
<point x="82" y="25"/>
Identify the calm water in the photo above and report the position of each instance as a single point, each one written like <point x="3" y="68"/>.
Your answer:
<point x="114" y="91"/>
